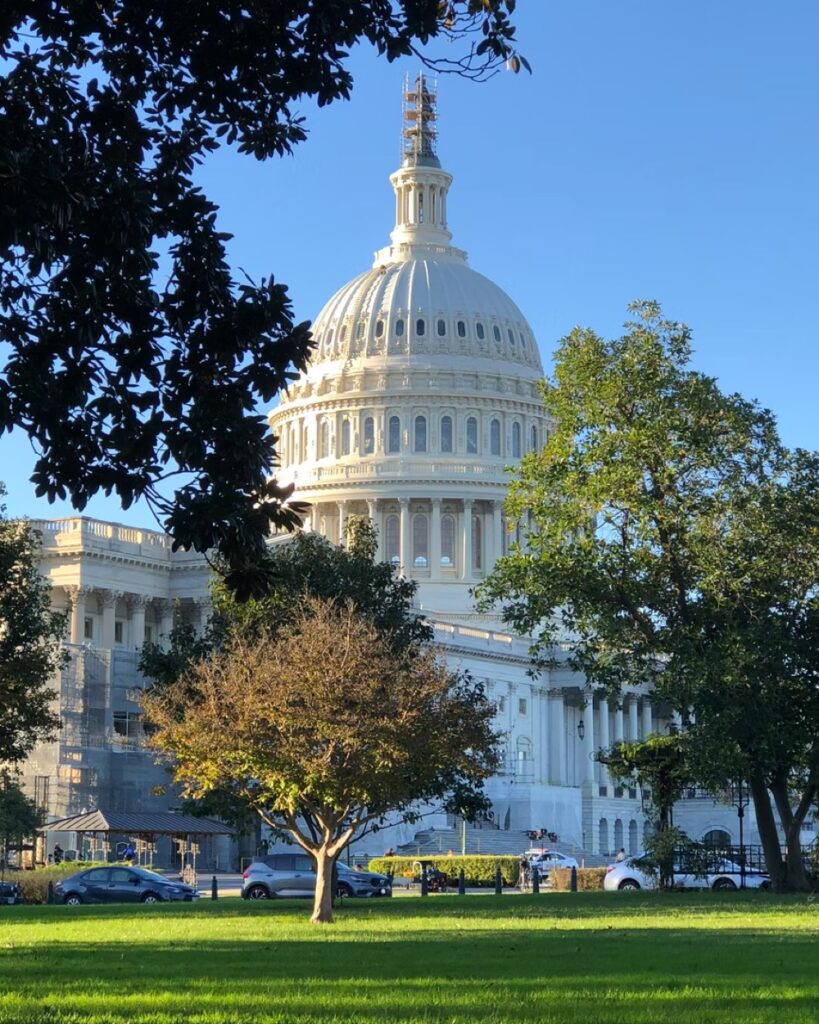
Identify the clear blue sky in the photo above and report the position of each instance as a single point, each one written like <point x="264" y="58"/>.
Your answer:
<point x="660" y="149"/>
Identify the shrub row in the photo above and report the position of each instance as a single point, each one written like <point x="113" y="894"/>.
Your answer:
<point x="35" y="883"/>
<point x="588" y="879"/>
<point x="478" y="870"/>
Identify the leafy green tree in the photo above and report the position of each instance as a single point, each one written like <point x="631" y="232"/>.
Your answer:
<point x="18" y="815"/>
<point x="326" y="729"/>
<point x="128" y="383"/>
<point x="661" y="765"/>
<point x="676" y="541"/>
<point x="30" y="648"/>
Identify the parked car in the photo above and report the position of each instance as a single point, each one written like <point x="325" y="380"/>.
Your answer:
<point x="545" y="860"/>
<point x="10" y="893"/>
<point x="294" y="874"/>
<point x="632" y="873"/>
<point x="120" y="885"/>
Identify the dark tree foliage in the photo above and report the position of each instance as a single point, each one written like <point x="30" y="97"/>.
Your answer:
<point x="30" y="649"/>
<point x="131" y="385"/>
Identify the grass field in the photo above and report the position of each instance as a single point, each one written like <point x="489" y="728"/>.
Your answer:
<point x="588" y="957"/>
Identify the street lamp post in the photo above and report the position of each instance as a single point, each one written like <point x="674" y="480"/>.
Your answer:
<point x="740" y="798"/>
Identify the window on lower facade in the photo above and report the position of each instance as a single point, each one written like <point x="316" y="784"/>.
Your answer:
<point x="515" y="440"/>
<point x="394" y="438"/>
<point x="128" y="725"/>
<point x="472" y="436"/>
<point x="522" y="706"/>
<point x="420" y="433"/>
<point x="88" y="629"/>
<point x="369" y="435"/>
<point x="392" y="537"/>
<point x="495" y="437"/>
<point x="477" y="543"/>
<point x="446" y="433"/>
<point x="324" y="440"/>
<point x="345" y="437"/>
<point x="420" y="541"/>
<point x="119" y="630"/>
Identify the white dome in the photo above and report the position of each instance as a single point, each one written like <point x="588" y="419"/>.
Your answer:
<point x="433" y="309"/>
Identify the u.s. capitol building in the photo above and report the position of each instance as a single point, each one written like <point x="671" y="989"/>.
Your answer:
<point x="422" y="391"/>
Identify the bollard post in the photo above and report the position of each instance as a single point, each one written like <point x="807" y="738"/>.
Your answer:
<point x="573" y="883"/>
<point x="50" y="893"/>
<point x="424" y="882"/>
<point x="214" y="888"/>
<point x="498" y="882"/>
<point x="461" y="883"/>
<point x="535" y="879"/>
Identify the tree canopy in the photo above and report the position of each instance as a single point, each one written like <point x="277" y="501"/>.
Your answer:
<point x="30" y="644"/>
<point x="126" y="382"/>
<point x="676" y="540"/>
<point x="326" y="729"/>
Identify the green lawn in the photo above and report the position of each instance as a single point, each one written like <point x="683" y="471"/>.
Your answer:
<point x="587" y="958"/>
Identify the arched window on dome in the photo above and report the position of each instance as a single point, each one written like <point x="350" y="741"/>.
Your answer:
<point x="368" y="435"/>
<point x="516" y="440"/>
<point x="448" y="542"/>
<point x="345" y="437"/>
<point x="496" y="334"/>
<point x="441" y="328"/>
<point x="305" y="442"/>
<point x="328" y="340"/>
<point x="471" y="436"/>
<point x="533" y="438"/>
<point x="446" y="434"/>
<point x="379" y="328"/>
<point x="324" y="440"/>
<point x="359" y="330"/>
<point x="477" y="543"/>
<point x="511" y="334"/>
<point x="461" y="329"/>
<point x="392" y="539"/>
<point x="420" y="541"/>
<point x="522" y="340"/>
<point x="399" y="328"/>
<point x="420" y="327"/>
<point x="343" y="335"/>
<point x="481" y="333"/>
<point x="495" y="437"/>
<point x="420" y="434"/>
<point x="394" y="436"/>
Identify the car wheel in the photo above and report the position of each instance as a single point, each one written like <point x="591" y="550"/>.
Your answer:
<point x="150" y="897"/>
<point x="258" y="892"/>
<point x="629" y="883"/>
<point x="723" y="884"/>
<point x="72" y="900"/>
<point x="344" y="889"/>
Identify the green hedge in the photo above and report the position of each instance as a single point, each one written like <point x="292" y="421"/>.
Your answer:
<point x="588" y="879"/>
<point x="35" y="883"/>
<point x="478" y="870"/>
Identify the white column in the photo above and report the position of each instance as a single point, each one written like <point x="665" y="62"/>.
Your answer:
<point x="466" y="560"/>
<point x="109" y="613"/>
<point x="588" y="737"/>
<point x="604" y="738"/>
<point x="137" y="603"/>
<point x="497" y="533"/>
<point x="545" y="737"/>
<point x="633" y="724"/>
<point x="406" y="553"/>
<point x="435" y="540"/>
<point x="77" y="596"/>
<point x="557" y="738"/>
<point x="166" y="610"/>
<point x="618" y="723"/>
<point x="648" y="718"/>
<point x="342" y="521"/>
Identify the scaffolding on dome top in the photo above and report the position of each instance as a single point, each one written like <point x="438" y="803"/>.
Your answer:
<point x="419" y="110"/>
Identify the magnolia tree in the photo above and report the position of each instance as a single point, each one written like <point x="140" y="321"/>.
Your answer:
<point x="327" y="730"/>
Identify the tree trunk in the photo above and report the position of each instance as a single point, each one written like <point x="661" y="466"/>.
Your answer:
<point x="796" y="880"/>
<point x="323" y="904"/>
<point x="766" y="823"/>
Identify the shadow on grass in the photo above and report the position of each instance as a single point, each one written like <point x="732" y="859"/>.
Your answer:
<point x="515" y="974"/>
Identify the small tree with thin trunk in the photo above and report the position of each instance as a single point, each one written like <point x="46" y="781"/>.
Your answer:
<point x="326" y="729"/>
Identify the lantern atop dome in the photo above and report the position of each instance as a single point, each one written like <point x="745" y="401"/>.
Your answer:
<point x="420" y="115"/>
